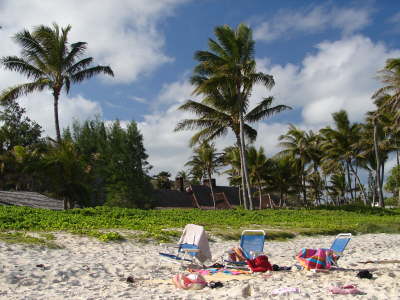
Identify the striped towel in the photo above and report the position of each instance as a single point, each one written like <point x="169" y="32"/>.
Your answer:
<point x="315" y="258"/>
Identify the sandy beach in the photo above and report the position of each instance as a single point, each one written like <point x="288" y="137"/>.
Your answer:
<point x="88" y="269"/>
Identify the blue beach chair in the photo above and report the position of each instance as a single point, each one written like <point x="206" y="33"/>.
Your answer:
<point x="339" y="245"/>
<point x="251" y="244"/>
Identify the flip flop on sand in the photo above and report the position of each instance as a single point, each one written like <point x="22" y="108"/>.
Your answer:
<point x="345" y="290"/>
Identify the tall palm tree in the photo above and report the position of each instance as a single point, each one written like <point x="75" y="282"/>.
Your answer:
<point x="258" y="163"/>
<point x="206" y="158"/>
<point x="380" y="145"/>
<point x="295" y="145"/>
<point x="231" y="157"/>
<point x="51" y="62"/>
<point x="217" y="114"/>
<point x="339" y="147"/>
<point x="230" y="66"/>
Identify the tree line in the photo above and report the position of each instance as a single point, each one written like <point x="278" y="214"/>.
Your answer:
<point x="94" y="163"/>
<point x="91" y="163"/>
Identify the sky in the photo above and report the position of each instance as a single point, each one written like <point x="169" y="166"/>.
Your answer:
<point x="324" y="56"/>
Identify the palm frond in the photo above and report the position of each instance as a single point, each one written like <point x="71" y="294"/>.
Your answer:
<point x="14" y="63"/>
<point x="80" y="65"/>
<point x="90" y="72"/>
<point x="264" y="110"/>
<point x="250" y="132"/>
<point x="77" y="50"/>
<point x="23" y="89"/>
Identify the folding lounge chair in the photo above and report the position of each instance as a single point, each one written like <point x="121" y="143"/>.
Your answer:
<point x="252" y="245"/>
<point x="193" y="245"/>
<point x="323" y="258"/>
<point x="339" y="245"/>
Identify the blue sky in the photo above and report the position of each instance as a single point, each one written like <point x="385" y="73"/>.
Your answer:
<point x="323" y="55"/>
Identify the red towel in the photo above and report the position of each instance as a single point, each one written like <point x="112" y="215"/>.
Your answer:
<point x="259" y="264"/>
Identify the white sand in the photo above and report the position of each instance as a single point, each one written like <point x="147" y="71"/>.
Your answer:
<point x="89" y="269"/>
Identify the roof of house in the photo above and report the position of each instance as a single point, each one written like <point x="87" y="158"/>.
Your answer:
<point x="30" y="199"/>
<point x="172" y="198"/>
<point x="203" y="194"/>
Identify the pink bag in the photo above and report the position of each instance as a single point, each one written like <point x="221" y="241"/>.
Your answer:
<point x="191" y="281"/>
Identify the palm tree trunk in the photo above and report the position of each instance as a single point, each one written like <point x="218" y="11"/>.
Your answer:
<point x="349" y="179"/>
<point x="241" y="171"/>
<point x="56" y="95"/>
<point x="245" y="171"/>
<point x="398" y="173"/>
<point x="211" y="186"/>
<point x="303" y="183"/>
<point x="240" y="196"/>
<point x="378" y="165"/>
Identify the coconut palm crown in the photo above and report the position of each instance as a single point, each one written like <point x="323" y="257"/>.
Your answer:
<point x="51" y="62"/>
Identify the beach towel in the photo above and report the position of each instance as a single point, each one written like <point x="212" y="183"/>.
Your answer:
<point x="196" y="235"/>
<point x="211" y="271"/>
<point x="315" y="259"/>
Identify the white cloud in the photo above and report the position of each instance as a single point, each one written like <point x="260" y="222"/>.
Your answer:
<point x="313" y="20"/>
<point x="138" y="99"/>
<point x="122" y="34"/>
<point x="39" y="107"/>
<point x="340" y="75"/>
<point x="176" y="92"/>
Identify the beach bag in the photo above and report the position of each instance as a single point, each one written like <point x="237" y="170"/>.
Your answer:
<point x="259" y="264"/>
<point x="189" y="281"/>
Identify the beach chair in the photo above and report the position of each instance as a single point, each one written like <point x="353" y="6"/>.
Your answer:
<point x="339" y="245"/>
<point x="251" y="244"/>
<point x="192" y="246"/>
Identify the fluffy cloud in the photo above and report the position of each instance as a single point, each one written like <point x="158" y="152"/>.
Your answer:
<point x="340" y="75"/>
<point x="123" y="35"/>
<point x="313" y="20"/>
<point x="39" y="107"/>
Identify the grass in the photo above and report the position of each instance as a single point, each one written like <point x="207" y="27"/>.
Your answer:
<point x="24" y="238"/>
<point x="162" y="225"/>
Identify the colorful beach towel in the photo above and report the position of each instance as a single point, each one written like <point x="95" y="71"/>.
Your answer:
<point x="211" y="271"/>
<point x="315" y="259"/>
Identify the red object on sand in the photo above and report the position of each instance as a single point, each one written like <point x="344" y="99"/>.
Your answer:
<point x="259" y="264"/>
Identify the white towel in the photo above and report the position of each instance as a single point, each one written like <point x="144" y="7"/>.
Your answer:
<point x="196" y="235"/>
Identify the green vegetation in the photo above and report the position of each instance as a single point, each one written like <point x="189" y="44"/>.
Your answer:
<point x="24" y="238"/>
<point x="161" y="225"/>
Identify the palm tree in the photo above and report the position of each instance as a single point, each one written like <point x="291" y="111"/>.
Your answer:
<point x="205" y="158"/>
<point x="228" y="70"/>
<point x="258" y="163"/>
<point x="390" y="76"/>
<point x="295" y="145"/>
<point x="280" y="175"/>
<point x="339" y="147"/>
<point x="217" y="114"/>
<point x="231" y="156"/>
<point x="51" y="62"/>
<point x="380" y="145"/>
